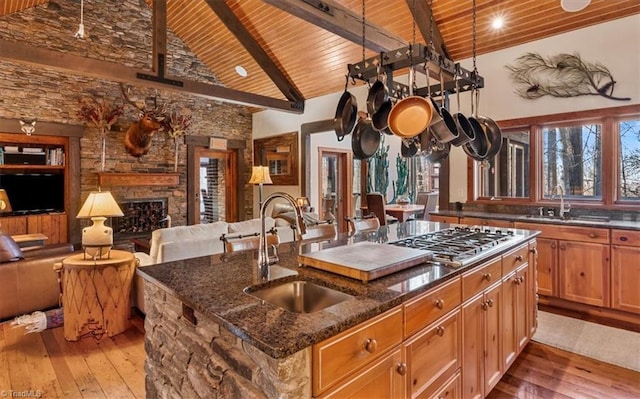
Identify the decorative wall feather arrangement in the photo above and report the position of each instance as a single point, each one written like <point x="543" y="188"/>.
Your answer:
<point x="561" y="75"/>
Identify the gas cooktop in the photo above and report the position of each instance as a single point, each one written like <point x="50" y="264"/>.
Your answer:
<point x="458" y="246"/>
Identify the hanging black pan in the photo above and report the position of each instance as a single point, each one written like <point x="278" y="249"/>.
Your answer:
<point x="378" y="94"/>
<point x="409" y="147"/>
<point x="494" y="135"/>
<point x="365" y="140"/>
<point x="380" y="118"/>
<point x="346" y="114"/>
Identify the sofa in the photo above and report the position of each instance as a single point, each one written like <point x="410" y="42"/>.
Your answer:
<point x="29" y="281"/>
<point x="183" y="242"/>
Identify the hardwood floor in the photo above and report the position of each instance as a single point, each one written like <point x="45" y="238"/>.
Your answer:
<point x="114" y="368"/>
<point x="46" y="362"/>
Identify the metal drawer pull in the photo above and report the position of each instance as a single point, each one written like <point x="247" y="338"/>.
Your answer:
<point x="486" y="276"/>
<point x="401" y="368"/>
<point x="371" y="345"/>
<point x="593" y="235"/>
<point x="440" y="303"/>
<point x="440" y="331"/>
<point x="623" y="238"/>
<point x="484" y="305"/>
<point x="490" y="303"/>
<point x="519" y="258"/>
<point x="534" y="251"/>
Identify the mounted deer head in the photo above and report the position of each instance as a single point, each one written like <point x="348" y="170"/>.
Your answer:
<point x="137" y="140"/>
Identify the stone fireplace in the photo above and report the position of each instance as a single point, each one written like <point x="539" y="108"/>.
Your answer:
<point x="141" y="217"/>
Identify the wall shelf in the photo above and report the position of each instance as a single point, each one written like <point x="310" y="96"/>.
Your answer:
<point x="138" y="179"/>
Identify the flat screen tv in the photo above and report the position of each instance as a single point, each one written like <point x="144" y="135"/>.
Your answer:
<point x="34" y="192"/>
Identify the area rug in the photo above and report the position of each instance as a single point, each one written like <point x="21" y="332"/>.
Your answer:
<point x="607" y="344"/>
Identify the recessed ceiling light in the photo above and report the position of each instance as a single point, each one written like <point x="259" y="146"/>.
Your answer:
<point x="241" y="71"/>
<point x="497" y="23"/>
<point x="574" y="5"/>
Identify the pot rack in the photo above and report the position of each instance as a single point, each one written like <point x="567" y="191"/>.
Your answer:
<point x="416" y="54"/>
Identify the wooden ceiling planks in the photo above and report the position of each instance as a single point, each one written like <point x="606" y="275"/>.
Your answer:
<point x="315" y="60"/>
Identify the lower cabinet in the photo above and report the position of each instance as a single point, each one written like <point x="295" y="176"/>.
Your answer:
<point x="52" y="225"/>
<point x="584" y="272"/>
<point x="450" y="390"/>
<point x="482" y="360"/>
<point x="434" y="355"/>
<point x="515" y="288"/>
<point x="547" y="266"/>
<point x="625" y="270"/>
<point x="385" y="378"/>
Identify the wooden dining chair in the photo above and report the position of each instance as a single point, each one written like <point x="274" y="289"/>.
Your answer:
<point x="369" y="222"/>
<point x="375" y="204"/>
<point x="320" y="231"/>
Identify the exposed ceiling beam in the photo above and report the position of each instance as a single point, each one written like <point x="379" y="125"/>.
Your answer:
<point x="340" y="21"/>
<point x="65" y="62"/>
<point x="241" y="33"/>
<point x="422" y="15"/>
<point x="159" y="33"/>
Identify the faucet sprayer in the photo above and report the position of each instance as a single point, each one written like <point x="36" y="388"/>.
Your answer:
<point x="263" y="250"/>
<point x="562" y="210"/>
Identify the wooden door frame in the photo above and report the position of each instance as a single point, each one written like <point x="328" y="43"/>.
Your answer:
<point x="197" y="144"/>
<point x="345" y="160"/>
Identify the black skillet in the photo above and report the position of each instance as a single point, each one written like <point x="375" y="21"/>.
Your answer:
<point x="346" y="114"/>
<point x="365" y="140"/>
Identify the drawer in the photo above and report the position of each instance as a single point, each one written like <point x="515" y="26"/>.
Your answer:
<point x="336" y="357"/>
<point x="515" y="259"/>
<point x="486" y="222"/>
<point x="443" y="219"/>
<point x="434" y="355"/>
<point x="569" y="233"/>
<point x="481" y="278"/>
<point x="426" y="308"/>
<point x="452" y="389"/>
<point x="625" y="237"/>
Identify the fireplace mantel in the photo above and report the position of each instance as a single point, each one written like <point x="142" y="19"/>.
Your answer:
<point x="106" y="179"/>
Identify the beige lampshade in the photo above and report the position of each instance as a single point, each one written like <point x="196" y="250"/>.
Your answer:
<point x="5" y="204"/>
<point x="260" y="175"/>
<point x="100" y="203"/>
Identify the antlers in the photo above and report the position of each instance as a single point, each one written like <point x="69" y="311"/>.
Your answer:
<point x="137" y="140"/>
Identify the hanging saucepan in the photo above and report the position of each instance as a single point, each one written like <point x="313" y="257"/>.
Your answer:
<point x="365" y="140"/>
<point x="411" y="115"/>
<point x="494" y="135"/>
<point x="479" y="143"/>
<point x="465" y="129"/>
<point x="439" y="152"/>
<point x="346" y="114"/>
<point x="378" y="94"/>
<point x="380" y="118"/>
<point x="409" y="147"/>
<point x="444" y="128"/>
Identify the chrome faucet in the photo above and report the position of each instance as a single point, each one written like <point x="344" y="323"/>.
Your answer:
<point x="562" y="210"/>
<point x="263" y="250"/>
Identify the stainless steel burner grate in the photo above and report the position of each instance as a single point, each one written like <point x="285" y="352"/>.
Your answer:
<point x="456" y="245"/>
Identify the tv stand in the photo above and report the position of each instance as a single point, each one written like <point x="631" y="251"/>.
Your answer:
<point x="22" y="154"/>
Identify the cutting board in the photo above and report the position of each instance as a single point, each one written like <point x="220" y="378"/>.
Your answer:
<point x="365" y="260"/>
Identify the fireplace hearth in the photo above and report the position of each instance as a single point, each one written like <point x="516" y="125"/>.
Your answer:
<point x="141" y="217"/>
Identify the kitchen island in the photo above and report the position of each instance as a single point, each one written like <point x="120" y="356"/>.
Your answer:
<point x="207" y="337"/>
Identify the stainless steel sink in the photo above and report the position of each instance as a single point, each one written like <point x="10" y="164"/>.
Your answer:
<point x="299" y="296"/>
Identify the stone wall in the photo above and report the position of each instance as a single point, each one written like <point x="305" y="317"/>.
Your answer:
<point x="204" y="360"/>
<point x="115" y="31"/>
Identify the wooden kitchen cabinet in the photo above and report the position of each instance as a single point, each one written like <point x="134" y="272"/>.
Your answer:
<point x="52" y="225"/>
<point x="450" y="389"/>
<point x="443" y="219"/>
<point x="516" y="302"/>
<point x="348" y="355"/>
<point x="434" y="355"/>
<point x="482" y="364"/>
<point x="625" y="270"/>
<point x="583" y="272"/>
<point x="384" y="378"/>
<point x="532" y="294"/>
<point x="547" y="267"/>
<point x="486" y="222"/>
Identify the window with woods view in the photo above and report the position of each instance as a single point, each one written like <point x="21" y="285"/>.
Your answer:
<point x="571" y="158"/>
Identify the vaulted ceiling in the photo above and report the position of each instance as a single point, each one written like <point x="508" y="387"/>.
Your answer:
<point x="301" y="48"/>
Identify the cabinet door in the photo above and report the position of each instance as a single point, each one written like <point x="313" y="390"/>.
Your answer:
<point x="516" y="311"/>
<point x="532" y="296"/>
<point x="493" y="359"/>
<point x="433" y="355"/>
<point x="53" y="225"/>
<point x="14" y="225"/>
<point x="584" y="272"/>
<point x="384" y="378"/>
<point x="473" y="348"/>
<point x="546" y="268"/>
<point x="625" y="274"/>
<point x="450" y="390"/>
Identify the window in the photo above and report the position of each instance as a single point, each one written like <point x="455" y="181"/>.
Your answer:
<point x="593" y="157"/>
<point x="629" y="167"/>
<point x="572" y="159"/>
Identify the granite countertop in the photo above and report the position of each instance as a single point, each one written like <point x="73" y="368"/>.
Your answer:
<point x="214" y="286"/>
<point x="584" y="221"/>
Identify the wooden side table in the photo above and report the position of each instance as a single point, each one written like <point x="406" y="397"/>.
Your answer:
<point x="96" y="294"/>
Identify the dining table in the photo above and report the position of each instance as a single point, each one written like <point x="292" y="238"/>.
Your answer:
<point x="403" y="212"/>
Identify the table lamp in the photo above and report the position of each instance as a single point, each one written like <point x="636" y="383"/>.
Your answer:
<point x="5" y="205"/>
<point x="260" y="176"/>
<point x="97" y="239"/>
